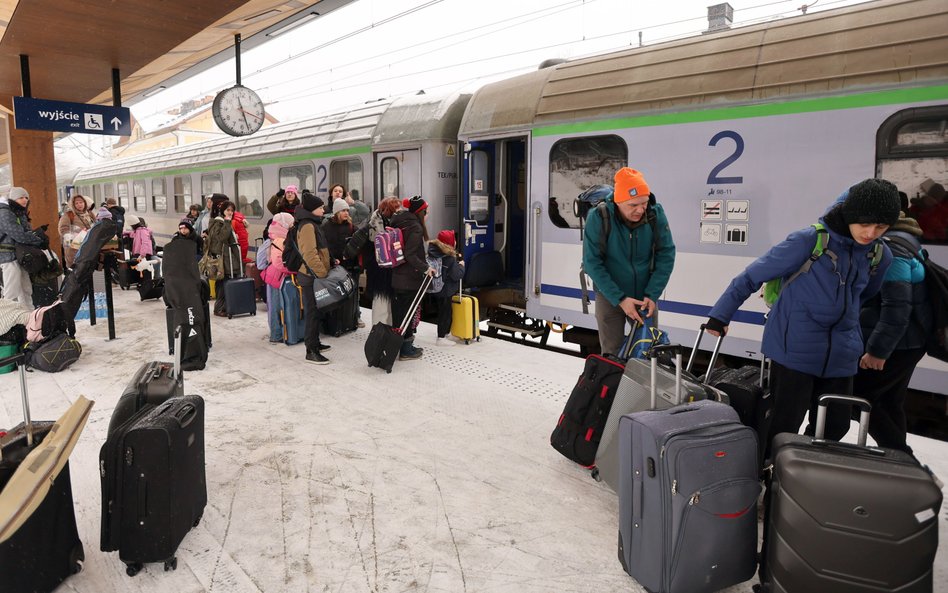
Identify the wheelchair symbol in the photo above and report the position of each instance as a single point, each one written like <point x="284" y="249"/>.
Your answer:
<point x="93" y="121"/>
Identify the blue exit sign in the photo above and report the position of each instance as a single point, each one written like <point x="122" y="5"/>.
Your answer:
<point x="78" y="118"/>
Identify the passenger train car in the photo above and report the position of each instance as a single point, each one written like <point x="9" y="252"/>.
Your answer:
<point x="744" y="136"/>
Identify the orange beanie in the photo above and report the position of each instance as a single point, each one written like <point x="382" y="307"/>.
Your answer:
<point x="629" y="184"/>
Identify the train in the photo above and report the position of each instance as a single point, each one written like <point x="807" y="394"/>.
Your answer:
<point x="744" y="135"/>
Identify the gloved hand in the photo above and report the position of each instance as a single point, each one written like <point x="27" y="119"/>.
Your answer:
<point x="715" y="327"/>
<point x="281" y="193"/>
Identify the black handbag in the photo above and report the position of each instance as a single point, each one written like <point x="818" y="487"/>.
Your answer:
<point x="32" y="259"/>
<point x="334" y="289"/>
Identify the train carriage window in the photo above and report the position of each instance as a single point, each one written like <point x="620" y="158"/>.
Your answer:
<point x="300" y="175"/>
<point x="138" y="194"/>
<point x="348" y="173"/>
<point x="159" y="199"/>
<point x="912" y="152"/>
<point x="577" y="164"/>
<point x="479" y="208"/>
<point x="108" y="191"/>
<point x="182" y="194"/>
<point x="250" y="199"/>
<point x="122" y="187"/>
<point x="389" y="179"/>
<point x="212" y="183"/>
<point x="96" y="194"/>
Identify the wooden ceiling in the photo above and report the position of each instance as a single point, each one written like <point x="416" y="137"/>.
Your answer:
<point x="74" y="45"/>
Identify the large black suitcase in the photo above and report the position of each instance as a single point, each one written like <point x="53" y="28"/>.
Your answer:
<point x="845" y="518"/>
<point x="384" y="342"/>
<point x="153" y="482"/>
<point x="344" y="318"/>
<point x="583" y="420"/>
<point x="46" y="549"/>
<point x="240" y="296"/>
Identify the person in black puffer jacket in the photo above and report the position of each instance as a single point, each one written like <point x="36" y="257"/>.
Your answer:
<point x="408" y="277"/>
<point x="896" y="324"/>
<point x="452" y="270"/>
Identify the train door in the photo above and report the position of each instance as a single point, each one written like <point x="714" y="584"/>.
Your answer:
<point x="399" y="174"/>
<point x="494" y="201"/>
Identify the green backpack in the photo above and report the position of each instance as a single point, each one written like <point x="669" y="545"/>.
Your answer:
<point x="773" y="287"/>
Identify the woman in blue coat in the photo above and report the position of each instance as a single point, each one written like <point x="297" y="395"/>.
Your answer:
<point x="812" y="334"/>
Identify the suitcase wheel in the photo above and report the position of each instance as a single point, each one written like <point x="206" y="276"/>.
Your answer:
<point x="595" y="475"/>
<point x="466" y="341"/>
<point x="133" y="569"/>
<point x="171" y="564"/>
<point x="229" y="316"/>
<point x="76" y="559"/>
<point x="196" y="522"/>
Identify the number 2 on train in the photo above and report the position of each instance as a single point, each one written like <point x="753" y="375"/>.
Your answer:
<point x="713" y="178"/>
<point x="321" y="186"/>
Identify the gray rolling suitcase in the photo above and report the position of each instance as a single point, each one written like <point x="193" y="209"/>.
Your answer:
<point x="843" y="518"/>
<point x="635" y="394"/>
<point x="688" y="488"/>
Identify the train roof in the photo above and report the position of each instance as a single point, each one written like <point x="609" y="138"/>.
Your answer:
<point x="885" y="44"/>
<point x="383" y="121"/>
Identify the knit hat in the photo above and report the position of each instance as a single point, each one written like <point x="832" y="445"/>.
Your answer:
<point x="629" y="184"/>
<point x="311" y="202"/>
<point x="186" y="222"/>
<point x="907" y="224"/>
<point x="872" y="201"/>
<point x="414" y="204"/>
<point x="339" y="205"/>
<point x="103" y="213"/>
<point x="131" y="220"/>
<point x="283" y="219"/>
<point x="292" y="188"/>
<point x="18" y="192"/>
<point x="447" y="237"/>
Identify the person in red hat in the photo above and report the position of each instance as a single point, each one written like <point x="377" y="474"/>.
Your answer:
<point x="408" y="277"/>
<point x="442" y="250"/>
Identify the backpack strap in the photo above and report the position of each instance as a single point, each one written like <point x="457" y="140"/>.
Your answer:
<point x="875" y="257"/>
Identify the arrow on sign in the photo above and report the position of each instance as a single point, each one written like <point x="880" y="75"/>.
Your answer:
<point x="116" y="122"/>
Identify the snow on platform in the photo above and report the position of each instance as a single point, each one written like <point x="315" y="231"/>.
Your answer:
<point x="438" y="477"/>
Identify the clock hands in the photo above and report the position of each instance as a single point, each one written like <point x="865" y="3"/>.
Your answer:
<point x="253" y="115"/>
<point x="242" y="111"/>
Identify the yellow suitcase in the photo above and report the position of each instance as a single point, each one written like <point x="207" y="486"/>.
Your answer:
<point x="465" y="318"/>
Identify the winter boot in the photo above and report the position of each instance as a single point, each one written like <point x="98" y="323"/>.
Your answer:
<point x="316" y="357"/>
<point x="408" y="351"/>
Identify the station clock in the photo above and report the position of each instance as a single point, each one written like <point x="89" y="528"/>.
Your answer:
<point x="238" y="111"/>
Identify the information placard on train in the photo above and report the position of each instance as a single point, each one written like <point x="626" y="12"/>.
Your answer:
<point x="62" y="116"/>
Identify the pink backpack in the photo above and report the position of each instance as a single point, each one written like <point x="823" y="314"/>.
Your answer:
<point x="388" y="248"/>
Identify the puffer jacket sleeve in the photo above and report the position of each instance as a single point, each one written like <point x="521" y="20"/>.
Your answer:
<point x="664" y="256"/>
<point x="896" y="310"/>
<point x="782" y="260"/>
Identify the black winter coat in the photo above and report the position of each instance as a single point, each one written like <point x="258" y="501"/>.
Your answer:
<point x="409" y="276"/>
<point x="336" y="237"/>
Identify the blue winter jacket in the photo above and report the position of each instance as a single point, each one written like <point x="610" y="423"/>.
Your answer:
<point x="900" y="316"/>
<point x="625" y="270"/>
<point x="813" y="327"/>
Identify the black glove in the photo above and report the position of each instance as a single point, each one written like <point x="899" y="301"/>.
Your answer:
<point x="715" y="325"/>
<point x="45" y="227"/>
<point x="281" y="193"/>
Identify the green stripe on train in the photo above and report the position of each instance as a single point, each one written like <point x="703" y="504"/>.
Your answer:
<point x="911" y="95"/>
<point x="243" y="164"/>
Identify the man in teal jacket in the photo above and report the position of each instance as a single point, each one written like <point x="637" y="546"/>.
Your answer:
<point x="632" y="273"/>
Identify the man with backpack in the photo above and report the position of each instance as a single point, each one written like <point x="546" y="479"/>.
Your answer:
<point x="305" y="251"/>
<point x="812" y="333"/>
<point x="897" y="324"/>
<point x="629" y="253"/>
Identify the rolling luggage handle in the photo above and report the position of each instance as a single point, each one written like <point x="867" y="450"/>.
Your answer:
<point x="19" y="360"/>
<point x="654" y="352"/>
<point x="864" y="408"/>
<point x="414" y="304"/>
<point x="714" y="357"/>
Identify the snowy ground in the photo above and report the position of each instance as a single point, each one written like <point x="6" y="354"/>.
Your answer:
<point x="438" y="477"/>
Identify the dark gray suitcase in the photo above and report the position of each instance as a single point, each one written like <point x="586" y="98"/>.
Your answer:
<point x="240" y="296"/>
<point x="635" y="394"/>
<point x="153" y="383"/>
<point x="153" y="482"/>
<point x="688" y="488"/>
<point x="846" y="518"/>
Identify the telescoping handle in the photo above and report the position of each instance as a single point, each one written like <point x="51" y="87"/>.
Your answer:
<point x="654" y="353"/>
<point x="714" y="352"/>
<point x="864" y="408"/>
<point x="415" y="302"/>
<point x="178" y="347"/>
<point x="20" y="361"/>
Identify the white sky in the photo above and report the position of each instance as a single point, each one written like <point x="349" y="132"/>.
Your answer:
<point x="381" y="48"/>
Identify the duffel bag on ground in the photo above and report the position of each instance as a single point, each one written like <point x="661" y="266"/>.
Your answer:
<point x="53" y="354"/>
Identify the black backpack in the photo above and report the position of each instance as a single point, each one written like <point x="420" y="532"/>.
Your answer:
<point x="292" y="256"/>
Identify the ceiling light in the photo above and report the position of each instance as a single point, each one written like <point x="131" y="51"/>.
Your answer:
<point x="261" y="16"/>
<point x="293" y="25"/>
<point x="154" y="91"/>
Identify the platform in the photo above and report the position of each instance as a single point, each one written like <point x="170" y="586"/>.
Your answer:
<point x="437" y="477"/>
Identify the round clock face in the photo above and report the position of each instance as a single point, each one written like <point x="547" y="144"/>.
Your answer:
<point x="238" y="111"/>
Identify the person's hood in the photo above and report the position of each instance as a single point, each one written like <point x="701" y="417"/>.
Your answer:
<point x="88" y="210"/>
<point x="436" y="248"/>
